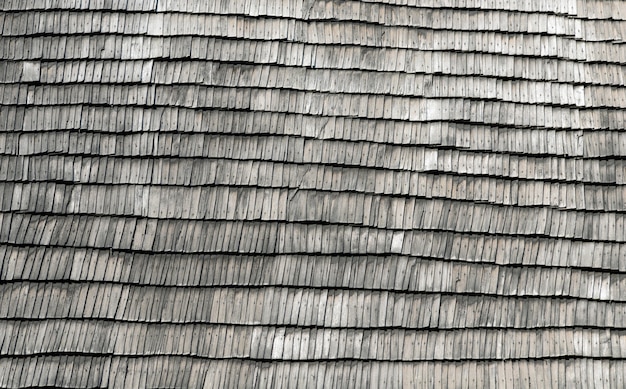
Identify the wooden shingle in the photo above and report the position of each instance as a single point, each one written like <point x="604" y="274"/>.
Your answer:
<point x="391" y="193"/>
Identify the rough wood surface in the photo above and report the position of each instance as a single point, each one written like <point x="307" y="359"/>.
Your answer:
<point x="312" y="193"/>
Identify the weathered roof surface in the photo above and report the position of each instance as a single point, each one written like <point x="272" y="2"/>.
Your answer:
<point x="303" y="193"/>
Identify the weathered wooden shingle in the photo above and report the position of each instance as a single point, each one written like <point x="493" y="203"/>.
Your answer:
<point x="312" y="193"/>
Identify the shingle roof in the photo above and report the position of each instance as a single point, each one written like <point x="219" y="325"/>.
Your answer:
<point x="304" y="193"/>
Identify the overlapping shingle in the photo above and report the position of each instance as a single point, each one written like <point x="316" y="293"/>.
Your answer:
<point x="415" y="193"/>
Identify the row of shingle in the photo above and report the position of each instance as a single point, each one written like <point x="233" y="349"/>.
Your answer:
<point x="467" y="17"/>
<point x="190" y="372"/>
<point x="206" y="95"/>
<point x="474" y="136"/>
<point x="346" y="374"/>
<point x="407" y="274"/>
<point x="276" y="147"/>
<point x="307" y="206"/>
<point x="301" y="306"/>
<point x="29" y="194"/>
<point x="394" y="82"/>
<point x="279" y="343"/>
<point x="89" y="22"/>
<point x="422" y="15"/>
<point x="146" y="119"/>
<point x="514" y="374"/>
<point x="201" y="171"/>
<point x="104" y="71"/>
<point x="439" y="16"/>
<point x="324" y="80"/>
<point x="138" y="127"/>
<point x="27" y="261"/>
<point x="558" y="6"/>
<point x="595" y="9"/>
<point x="191" y="236"/>
<point x="120" y="5"/>
<point x="319" y="56"/>
<point x="144" y="47"/>
<point x="457" y="18"/>
<point x="340" y="104"/>
<point x="204" y="126"/>
<point x="284" y="149"/>
<point x="72" y="21"/>
<point x="63" y="371"/>
<point x="314" y="151"/>
<point x="396" y="273"/>
<point x="562" y="195"/>
<point x="466" y="137"/>
<point x="357" y="211"/>
<point x="315" y="80"/>
<point x="362" y="106"/>
<point x="356" y="105"/>
<point x="331" y="32"/>
<point x="304" y="54"/>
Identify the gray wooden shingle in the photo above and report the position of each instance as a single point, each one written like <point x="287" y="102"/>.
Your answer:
<point x="375" y="193"/>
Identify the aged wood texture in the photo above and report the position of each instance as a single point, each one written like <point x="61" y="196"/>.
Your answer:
<point x="312" y="193"/>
